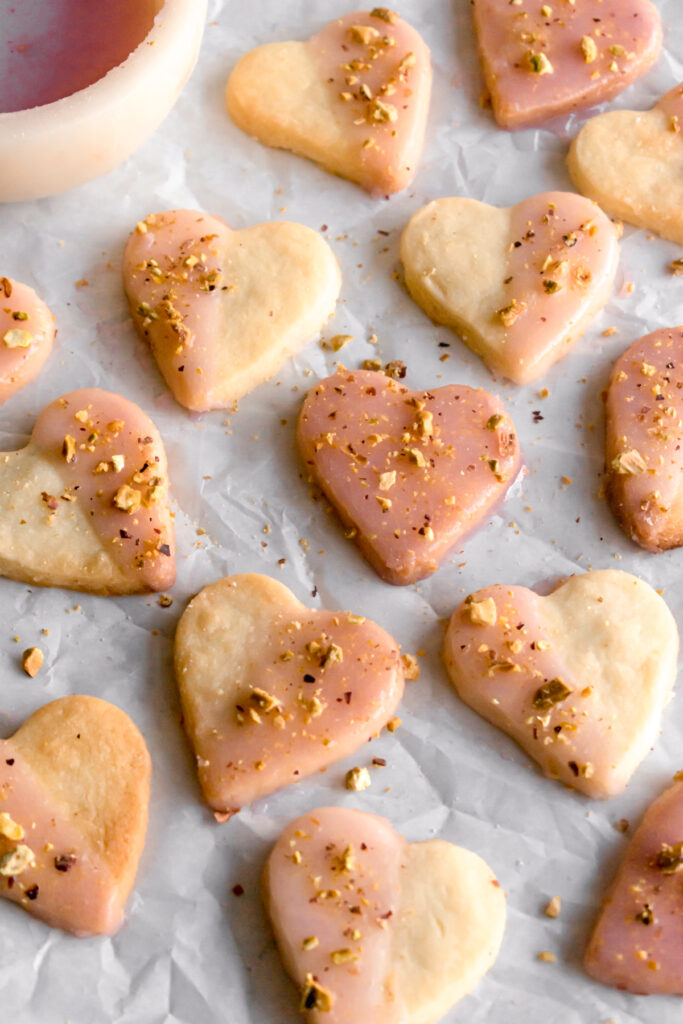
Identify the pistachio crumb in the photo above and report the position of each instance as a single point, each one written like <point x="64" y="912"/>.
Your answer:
<point x="357" y="779"/>
<point x="482" y="613"/>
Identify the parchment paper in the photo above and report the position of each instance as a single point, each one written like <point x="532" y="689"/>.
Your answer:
<point x="190" y="951"/>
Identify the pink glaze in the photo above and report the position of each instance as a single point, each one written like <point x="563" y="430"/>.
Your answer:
<point x="394" y="65"/>
<point x="625" y="951"/>
<point x="310" y="893"/>
<point x="644" y="410"/>
<point x="50" y="49"/>
<point x="176" y="307"/>
<point x="627" y="35"/>
<point x="672" y="104"/>
<point x="67" y="887"/>
<point x="320" y="714"/>
<point x="24" y="317"/>
<point x="577" y="245"/>
<point x="142" y="541"/>
<point x="498" y="670"/>
<point x="357" y="425"/>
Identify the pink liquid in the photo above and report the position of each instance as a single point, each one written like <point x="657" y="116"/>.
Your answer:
<point x="50" y="49"/>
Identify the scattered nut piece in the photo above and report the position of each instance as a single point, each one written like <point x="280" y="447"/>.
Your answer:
<point x="357" y="779"/>
<point x="69" y="448"/>
<point x="165" y="600"/>
<point x="363" y="34"/>
<point x="629" y="463"/>
<point x="482" y="613"/>
<point x="310" y="943"/>
<point x="17" y="338"/>
<point x="411" y="669"/>
<point x="554" y="907"/>
<point x="393" y="724"/>
<point x="128" y="499"/>
<point x="15" y="861"/>
<point x="9" y="828"/>
<point x="547" y="958"/>
<point x="539" y="64"/>
<point x="315" y="997"/>
<point x="589" y="49"/>
<point x="32" y="661"/>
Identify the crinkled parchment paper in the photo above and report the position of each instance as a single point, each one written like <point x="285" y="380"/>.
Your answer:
<point x="190" y="951"/>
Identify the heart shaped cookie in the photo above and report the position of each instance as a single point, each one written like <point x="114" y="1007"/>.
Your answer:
<point x="372" y="928"/>
<point x="223" y="309"/>
<point x="409" y="472"/>
<point x="354" y="98"/>
<point x="636" y="943"/>
<point x="519" y="285"/>
<point x="27" y="331"/>
<point x="273" y="691"/>
<point x="85" y="504"/>
<point x="631" y="162"/>
<point x="644" y="439"/>
<point x="542" y="60"/>
<point x="579" y="679"/>
<point x="74" y="790"/>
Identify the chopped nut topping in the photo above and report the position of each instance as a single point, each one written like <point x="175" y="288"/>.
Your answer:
<point x="165" y="601"/>
<point x="384" y="503"/>
<point x="384" y="14"/>
<point x="265" y="701"/>
<point x="669" y="860"/>
<point x="17" y="338"/>
<point x="118" y="462"/>
<point x="411" y="669"/>
<point x="357" y="779"/>
<point x="425" y="423"/>
<point x="393" y="724"/>
<point x="550" y="287"/>
<point x="676" y="267"/>
<point x="629" y="463"/>
<point x="32" y="661"/>
<point x="310" y="943"/>
<point x="387" y="480"/>
<point x="363" y="34"/>
<point x="343" y="956"/>
<point x="9" y="828"/>
<point x="338" y="341"/>
<point x="508" y="314"/>
<point x="646" y="915"/>
<point x="550" y="694"/>
<point x="378" y="112"/>
<point x="333" y="654"/>
<point x="554" y="907"/>
<point x="396" y="369"/>
<point x="589" y="49"/>
<point x="81" y="415"/>
<point x="115" y="427"/>
<point x="315" y="997"/>
<point x="128" y="499"/>
<point x="69" y="448"/>
<point x="547" y="958"/>
<point x="482" y="613"/>
<point x="15" y="861"/>
<point x="6" y="285"/>
<point x="372" y="364"/>
<point x="415" y="456"/>
<point x="539" y="63"/>
<point x="494" y="421"/>
<point x="647" y="369"/>
<point x="355" y="620"/>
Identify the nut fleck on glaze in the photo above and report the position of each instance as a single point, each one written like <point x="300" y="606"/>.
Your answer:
<point x="644" y="434"/>
<point x="627" y="35"/>
<point x="344" y="883"/>
<point x="27" y="332"/>
<point x="380" y="74"/>
<point x="637" y="944"/>
<point x="357" y="428"/>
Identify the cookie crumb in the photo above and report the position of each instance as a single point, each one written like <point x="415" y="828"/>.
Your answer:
<point x="32" y="661"/>
<point x="357" y="779"/>
<point x="554" y="907"/>
<point x="547" y="958"/>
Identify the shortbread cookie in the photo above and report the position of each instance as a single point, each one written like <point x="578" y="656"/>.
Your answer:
<point x="27" y="331"/>
<point x="631" y="162"/>
<point x="579" y="679"/>
<point x="85" y="504"/>
<point x="273" y="691"/>
<point x="636" y="944"/>
<point x="374" y="929"/>
<point x="644" y="440"/>
<point x="223" y="309"/>
<point x="519" y="285"/>
<point x="408" y="472"/>
<point x="541" y="60"/>
<point x="354" y="98"/>
<point x="74" y="790"/>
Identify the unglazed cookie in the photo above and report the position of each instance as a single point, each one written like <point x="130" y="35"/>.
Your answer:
<point x="27" y="331"/>
<point x="223" y="309"/>
<point x="74" y="790"/>
<point x="520" y="285"/>
<point x="354" y="98"/>
<point x="85" y="504"/>
<point x="644" y="440"/>
<point x="636" y="943"/>
<point x="408" y="472"/>
<point x="374" y="929"/>
<point x="579" y="679"/>
<point x="542" y="60"/>
<point x="631" y="162"/>
<point x="273" y="691"/>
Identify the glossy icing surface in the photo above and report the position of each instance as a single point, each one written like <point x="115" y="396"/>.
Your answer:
<point x="52" y="50"/>
<point x="333" y="876"/>
<point x="67" y="885"/>
<point x="378" y="68"/>
<point x="644" y="410"/>
<point x="111" y="459"/>
<point x="637" y="944"/>
<point x="409" y="472"/>
<point x="27" y="331"/>
<point x="544" y="60"/>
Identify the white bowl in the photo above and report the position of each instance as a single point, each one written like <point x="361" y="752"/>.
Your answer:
<point x="51" y="148"/>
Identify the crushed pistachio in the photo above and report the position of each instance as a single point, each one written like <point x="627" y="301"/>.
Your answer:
<point x="315" y="997"/>
<point x="387" y="480"/>
<point x="494" y="421"/>
<point x="118" y="462"/>
<point x="550" y="287"/>
<point x="343" y="956"/>
<point x="16" y="337"/>
<point x="629" y="463"/>
<point x="332" y="655"/>
<point x="411" y="669"/>
<point x="338" y="341"/>
<point x="310" y="943"/>
<point x="508" y="314"/>
<point x="9" y="828"/>
<point x="550" y="694"/>
<point x="357" y="779"/>
<point x="415" y="456"/>
<point x="69" y="448"/>
<point x="539" y="64"/>
<point x="363" y="34"/>
<point x="377" y="112"/>
<point x="384" y="14"/>
<point x="15" y="861"/>
<point x="32" y="661"/>
<point x="646" y="915"/>
<point x="128" y="499"/>
<point x="482" y="613"/>
<point x="669" y="860"/>
<point x="425" y="423"/>
<point x="263" y="700"/>
<point x="589" y="49"/>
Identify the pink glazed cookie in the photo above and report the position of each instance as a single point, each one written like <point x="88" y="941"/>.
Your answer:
<point x="354" y="98"/>
<point x="579" y="678"/>
<point x="521" y="284"/>
<point x="637" y="943"/>
<point x="74" y="790"/>
<point x="273" y="691"/>
<point x="85" y="504"/>
<point x="374" y="929"/>
<point x="644" y="434"/>
<point x="27" y="331"/>
<point x="543" y="60"/>
<point x="409" y="472"/>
